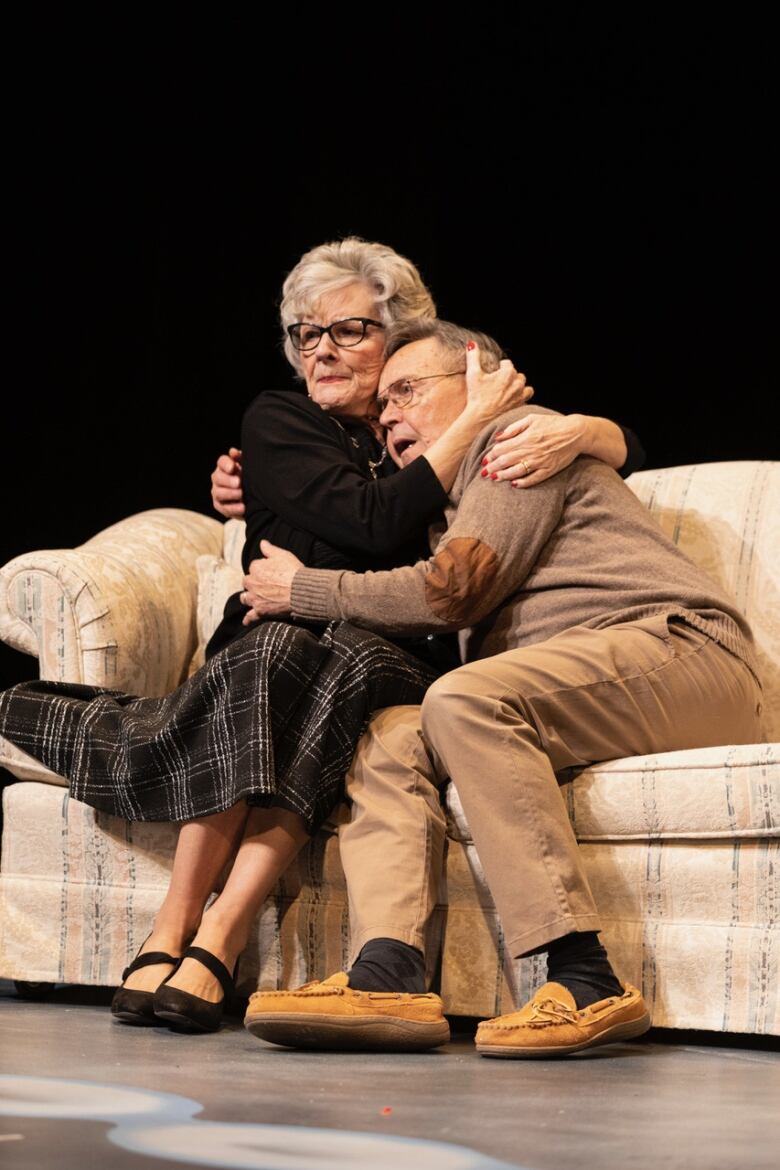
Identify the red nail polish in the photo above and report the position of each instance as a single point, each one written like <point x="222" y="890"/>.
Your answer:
<point x="485" y="461"/>
<point x="471" y="345"/>
<point x="494" y="475"/>
<point x="483" y="473"/>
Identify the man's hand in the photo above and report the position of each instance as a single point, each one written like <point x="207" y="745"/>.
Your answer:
<point x="268" y="584"/>
<point x="227" y="493"/>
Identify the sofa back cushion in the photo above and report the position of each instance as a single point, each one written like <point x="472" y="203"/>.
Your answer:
<point x="726" y="518"/>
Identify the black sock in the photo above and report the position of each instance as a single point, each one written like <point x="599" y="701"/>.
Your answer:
<point x="579" y="963"/>
<point x="384" y="964"/>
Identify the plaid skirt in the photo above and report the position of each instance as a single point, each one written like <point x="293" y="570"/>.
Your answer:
<point x="273" y="719"/>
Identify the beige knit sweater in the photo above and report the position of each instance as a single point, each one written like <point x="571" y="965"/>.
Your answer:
<point x="511" y="567"/>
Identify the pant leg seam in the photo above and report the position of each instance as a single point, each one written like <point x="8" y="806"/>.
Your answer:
<point x="561" y="894"/>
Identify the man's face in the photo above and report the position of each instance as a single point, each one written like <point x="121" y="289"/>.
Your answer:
<point x="436" y="401"/>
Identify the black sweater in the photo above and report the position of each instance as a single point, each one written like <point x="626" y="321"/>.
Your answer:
<point x="308" y="488"/>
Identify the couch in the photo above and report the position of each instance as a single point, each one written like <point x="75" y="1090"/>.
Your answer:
<point x="681" y="848"/>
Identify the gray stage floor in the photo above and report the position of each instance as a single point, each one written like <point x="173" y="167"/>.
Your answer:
<point x="227" y="1100"/>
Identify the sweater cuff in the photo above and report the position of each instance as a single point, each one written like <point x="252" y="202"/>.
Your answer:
<point x="428" y="489"/>
<point x="313" y="594"/>
<point x="635" y="459"/>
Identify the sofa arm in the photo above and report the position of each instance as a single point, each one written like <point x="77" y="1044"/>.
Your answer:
<point x="119" y="611"/>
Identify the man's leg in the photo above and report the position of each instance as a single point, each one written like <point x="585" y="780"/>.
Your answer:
<point x="392" y="851"/>
<point x="502" y="728"/>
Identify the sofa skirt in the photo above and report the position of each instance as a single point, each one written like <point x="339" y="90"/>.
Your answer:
<point x="695" y="923"/>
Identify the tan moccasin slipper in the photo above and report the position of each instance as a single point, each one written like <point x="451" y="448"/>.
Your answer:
<point x="551" y="1025"/>
<point x="332" y="1015"/>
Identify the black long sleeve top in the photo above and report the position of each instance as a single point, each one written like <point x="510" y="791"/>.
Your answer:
<point x="308" y="487"/>
<point x="326" y="490"/>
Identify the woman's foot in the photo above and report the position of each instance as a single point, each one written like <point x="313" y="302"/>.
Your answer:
<point x="135" y="1005"/>
<point x="149" y="978"/>
<point x="191" y="976"/>
<point x="192" y="1013"/>
<point x="194" y="998"/>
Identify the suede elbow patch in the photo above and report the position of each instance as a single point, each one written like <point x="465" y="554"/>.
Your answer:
<point x="458" y="579"/>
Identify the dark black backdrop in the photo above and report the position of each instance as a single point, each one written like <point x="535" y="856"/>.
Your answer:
<point x="595" y="195"/>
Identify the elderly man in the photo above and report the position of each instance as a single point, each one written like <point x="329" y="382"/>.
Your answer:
<point x="586" y="634"/>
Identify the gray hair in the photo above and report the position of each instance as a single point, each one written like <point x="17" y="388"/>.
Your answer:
<point x="398" y="287"/>
<point x="452" y="338"/>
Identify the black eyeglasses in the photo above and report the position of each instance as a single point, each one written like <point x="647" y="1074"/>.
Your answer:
<point x="402" y="392"/>
<point x="346" y="333"/>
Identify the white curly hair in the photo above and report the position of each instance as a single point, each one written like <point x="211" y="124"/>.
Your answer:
<point x="401" y="294"/>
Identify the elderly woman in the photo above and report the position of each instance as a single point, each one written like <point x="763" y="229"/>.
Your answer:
<point x="251" y="751"/>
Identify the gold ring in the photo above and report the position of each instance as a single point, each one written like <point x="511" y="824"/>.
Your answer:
<point x="525" y="465"/>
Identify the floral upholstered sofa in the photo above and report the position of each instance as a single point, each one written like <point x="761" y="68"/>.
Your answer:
<point x="681" y="849"/>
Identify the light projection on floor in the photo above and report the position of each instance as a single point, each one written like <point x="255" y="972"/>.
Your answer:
<point x="163" y="1125"/>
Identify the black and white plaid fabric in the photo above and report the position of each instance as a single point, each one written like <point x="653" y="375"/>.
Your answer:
<point x="274" y="719"/>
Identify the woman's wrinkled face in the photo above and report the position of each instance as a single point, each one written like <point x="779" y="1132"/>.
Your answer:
<point x="344" y="381"/>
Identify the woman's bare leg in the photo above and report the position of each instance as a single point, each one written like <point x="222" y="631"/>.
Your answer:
<point x="272" y="838"/>
<point x="203" y="850"/>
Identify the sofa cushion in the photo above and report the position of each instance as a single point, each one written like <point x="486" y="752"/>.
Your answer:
<point x="24" y="767"/>
<point x="217" y="581"/>
<point x="233" y="538"/>
<point x="219" y="577"/>
<point x="724" y="516"/>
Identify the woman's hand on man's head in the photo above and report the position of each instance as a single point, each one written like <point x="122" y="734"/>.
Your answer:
<point x="268" y="584"/>
<point x="490" y="393"/>
<point x="227" y="493"/>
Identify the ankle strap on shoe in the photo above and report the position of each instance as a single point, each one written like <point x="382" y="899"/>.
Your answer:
<point x="214" y="965"/>
<point x="150" y="959"/>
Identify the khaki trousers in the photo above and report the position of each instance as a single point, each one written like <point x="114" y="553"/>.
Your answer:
<point x="506" y="730"/>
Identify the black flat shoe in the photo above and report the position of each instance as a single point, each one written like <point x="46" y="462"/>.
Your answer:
<point x="137" y="1007"/>
<point x="190" y="1012"/>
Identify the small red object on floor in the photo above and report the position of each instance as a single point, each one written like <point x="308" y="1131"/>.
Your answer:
<point x="386" y="1110"/>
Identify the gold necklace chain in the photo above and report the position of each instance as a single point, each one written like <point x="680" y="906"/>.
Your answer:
<point x="373" y="464"/>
